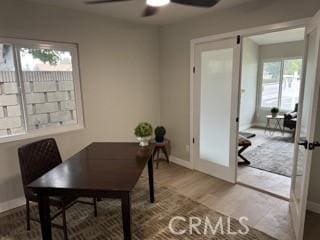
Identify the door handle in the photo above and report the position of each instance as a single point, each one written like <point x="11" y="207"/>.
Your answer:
<point x="304" y="143"/>
<point x="314" y="145"/>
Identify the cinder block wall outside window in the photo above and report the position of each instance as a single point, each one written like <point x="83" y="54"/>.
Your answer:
<point x="49" y="97"/>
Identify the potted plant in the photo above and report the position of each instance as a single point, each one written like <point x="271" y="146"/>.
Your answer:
<point x="143" y="133"/>
<point x="274" y="111"/>
<point x="160" y="132"/>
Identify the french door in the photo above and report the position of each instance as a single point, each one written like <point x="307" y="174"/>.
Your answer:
<point x="216" y="86"/>
<point x="305" y="133"/>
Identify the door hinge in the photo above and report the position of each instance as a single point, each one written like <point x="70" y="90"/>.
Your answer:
<point x="313" y="145"/>
<point x="237" y="119"/>
<point x="238" y="39"/>
<point x="194" y="69"/>
<point x="193" y="140"/>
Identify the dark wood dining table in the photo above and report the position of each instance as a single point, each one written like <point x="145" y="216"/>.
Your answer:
<point x="100" y="170"/>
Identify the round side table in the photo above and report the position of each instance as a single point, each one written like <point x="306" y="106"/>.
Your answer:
<point x="278" y="119"/>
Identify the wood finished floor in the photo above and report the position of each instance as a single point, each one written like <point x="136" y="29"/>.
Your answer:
<point x="265" y="212"/>
<point x="263" y="180"/>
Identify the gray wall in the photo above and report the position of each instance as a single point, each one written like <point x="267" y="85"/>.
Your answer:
<point x="250" y="61"/>
<point x="282" y="50"/>
<point x="175" y="54"/>
<point x="119" y="71"/>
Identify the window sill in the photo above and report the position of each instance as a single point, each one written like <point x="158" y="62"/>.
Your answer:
<point x="280" y="110"/>
<point x="41" y="133"/>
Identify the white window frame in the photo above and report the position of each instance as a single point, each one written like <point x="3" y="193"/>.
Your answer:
<point x="261" y="65"/>
<point x="73" y="49"/>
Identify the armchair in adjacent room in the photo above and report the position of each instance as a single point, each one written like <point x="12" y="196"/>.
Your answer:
<point x="290" y="119"/>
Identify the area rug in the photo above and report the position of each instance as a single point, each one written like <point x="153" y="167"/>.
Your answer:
<point x="275" y="155"/>
<point x="149" y="221"/>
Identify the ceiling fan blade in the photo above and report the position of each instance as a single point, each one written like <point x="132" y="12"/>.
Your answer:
<point x="104" y="1"/>
<point x="149" y="11"/>
<point x="197" y="3"/>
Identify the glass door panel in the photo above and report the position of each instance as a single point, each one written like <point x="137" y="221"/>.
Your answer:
<point x="216" y="86"/>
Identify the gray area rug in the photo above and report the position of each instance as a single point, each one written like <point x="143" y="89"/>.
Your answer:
<point x="275" y="155"/>
<point x="150" y="221"/>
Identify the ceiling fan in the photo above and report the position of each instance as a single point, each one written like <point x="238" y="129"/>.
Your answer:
<point x="154" y="5"/>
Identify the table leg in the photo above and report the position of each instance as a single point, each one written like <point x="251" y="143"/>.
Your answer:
<point x="158" y="157"/>
<point x="278" y="125"/>
<point x="165" y="152"/>
<point x="245" y="160"/>
<point x="151" y="184"/>
<point x="274" y="129"/>
<point x="267" y="125"/>
<point x="281" y="128"/>
<point x="45" y="220"/>
<point x="126" y="215"/>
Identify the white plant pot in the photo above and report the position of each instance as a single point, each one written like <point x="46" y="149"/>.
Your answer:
<point x="144" y="141"/>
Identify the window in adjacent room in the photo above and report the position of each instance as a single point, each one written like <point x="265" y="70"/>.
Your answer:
<point x="39" y="88"/>
<point x="280" y="84"/>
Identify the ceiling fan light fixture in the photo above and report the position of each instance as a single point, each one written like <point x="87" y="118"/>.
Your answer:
<point x="157" y="3"/>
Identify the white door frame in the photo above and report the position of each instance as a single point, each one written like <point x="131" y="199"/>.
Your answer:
<point x="242" y="33"/>
<point x="299" y="225"/>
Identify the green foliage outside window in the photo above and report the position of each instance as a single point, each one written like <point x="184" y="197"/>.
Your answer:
<point x="45" y="55"/>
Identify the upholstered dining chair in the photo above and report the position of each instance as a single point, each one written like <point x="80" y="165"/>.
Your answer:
<point x="35" y="160"/>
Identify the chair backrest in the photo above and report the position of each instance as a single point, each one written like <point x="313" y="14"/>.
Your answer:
<point x="36" y="159"/>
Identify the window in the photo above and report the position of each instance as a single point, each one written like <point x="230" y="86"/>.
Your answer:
<point x="270" y="84"/>
<point x="290" y="83"/>
<point x="281" y="83"/>
<point x="39" y="88"/>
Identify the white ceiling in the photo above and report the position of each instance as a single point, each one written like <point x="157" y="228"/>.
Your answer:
<point x="131" y="10"/>
<point x="292" y="35"/>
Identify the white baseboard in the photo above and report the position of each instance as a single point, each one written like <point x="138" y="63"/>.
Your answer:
<point x="313" y="207"/>
<point x="259" y="125"/>
<point x="181" y="162"/>
<point x="245" y="127"/>
<point x="14" y="203"/>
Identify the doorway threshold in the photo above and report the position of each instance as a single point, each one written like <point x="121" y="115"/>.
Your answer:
<point x="267" y="182"/>
<point x="264" y="191"/>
